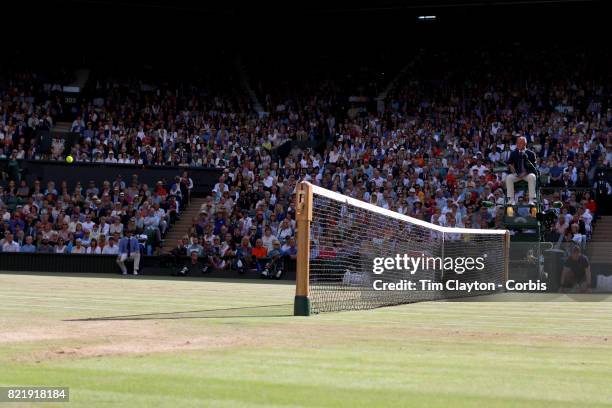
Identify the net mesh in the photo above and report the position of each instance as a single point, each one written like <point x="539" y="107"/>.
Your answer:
<point x="349" y="237"/>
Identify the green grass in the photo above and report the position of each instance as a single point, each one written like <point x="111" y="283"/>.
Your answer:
<point x="140" y="342"/>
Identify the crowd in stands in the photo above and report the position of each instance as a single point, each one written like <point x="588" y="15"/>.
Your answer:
<point x="429" y="149"/>
<point x="245" y="225"/>
<point x="89" y="218"/>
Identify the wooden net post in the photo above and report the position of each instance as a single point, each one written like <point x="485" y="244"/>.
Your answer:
<point x="301" y="305"/>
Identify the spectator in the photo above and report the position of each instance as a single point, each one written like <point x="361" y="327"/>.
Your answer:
<point x="93" y="248"/>
<point x="8" y="244"/>
<point x="244" y="255"/>
<point x="152" y="223"/>
<point x="268" y="239"/>
<point x="194" y="246"/>
<point x="78" y="248"/>
<point x="28" y="247"/>
<point x="179" y="252"/>
<point x="193" y="265"/>
<point x="260" y="253"/>
<point x="45" y="247"/>
<point x="111" y="248"/>
<point x="61" y="247"/>
<point x="274" y="267"/>
<point x="285" y="230"/>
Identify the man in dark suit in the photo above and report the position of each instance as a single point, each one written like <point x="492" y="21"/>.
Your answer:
<point x="522" y="167"/>
<point x="576" y="272"/>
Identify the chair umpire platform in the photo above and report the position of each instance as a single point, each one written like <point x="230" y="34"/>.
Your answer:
<point x="522" y="220"/>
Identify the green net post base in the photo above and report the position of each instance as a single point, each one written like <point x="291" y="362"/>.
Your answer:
<point x="301" y="306"/>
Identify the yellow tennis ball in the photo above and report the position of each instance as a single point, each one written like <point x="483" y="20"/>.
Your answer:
<point x="69" y="159"/>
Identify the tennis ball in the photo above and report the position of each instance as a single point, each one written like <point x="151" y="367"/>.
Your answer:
<point x="69" y="159"/>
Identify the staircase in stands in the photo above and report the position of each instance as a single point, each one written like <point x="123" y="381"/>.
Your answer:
<point x="599" y="248"/>
<point x="181" y="227"/>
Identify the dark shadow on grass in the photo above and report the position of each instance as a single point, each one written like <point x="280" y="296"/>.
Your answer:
<point x="283" y="310"/>
<point x="202" y="278"/>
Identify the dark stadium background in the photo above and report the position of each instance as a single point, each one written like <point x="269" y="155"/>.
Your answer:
<point x="178" y="34"/>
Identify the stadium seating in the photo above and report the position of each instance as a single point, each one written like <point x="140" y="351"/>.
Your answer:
<point x="427" y="147"/>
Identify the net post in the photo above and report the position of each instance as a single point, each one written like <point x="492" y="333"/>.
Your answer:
<point x="301" y="306"/>
<point x="506" y="256"/>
